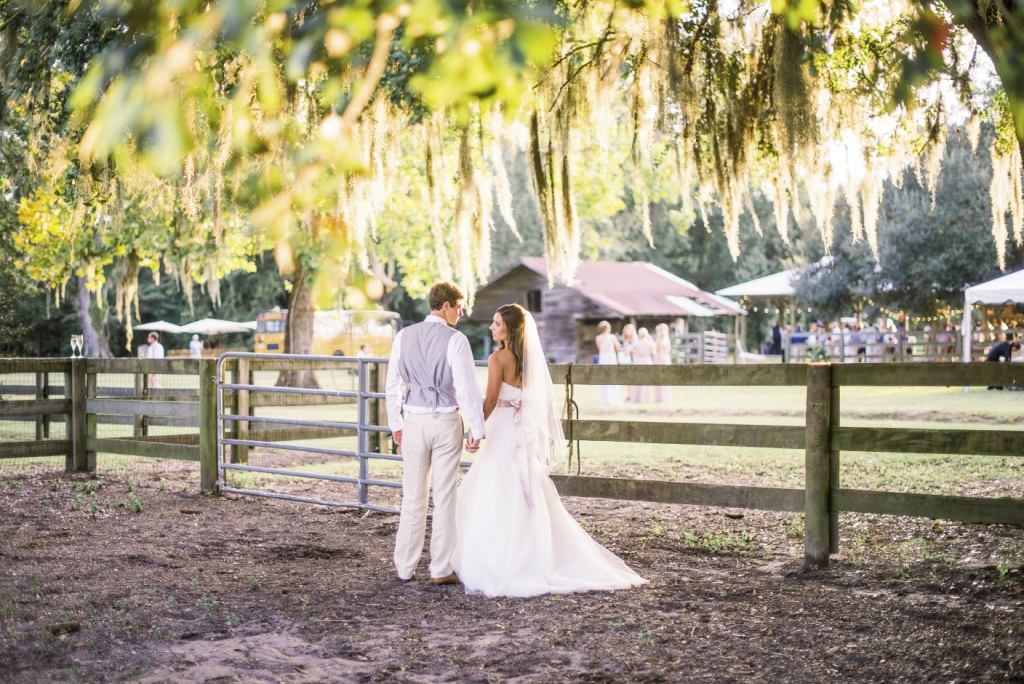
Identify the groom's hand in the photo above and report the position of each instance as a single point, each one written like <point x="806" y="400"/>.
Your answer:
<point x="397" y="436"/>
<point x="471" y="444"/>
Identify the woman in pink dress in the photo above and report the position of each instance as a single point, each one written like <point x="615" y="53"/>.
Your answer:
<point x="626" y="351"/>
<point x="643" y="355"/>
<point x="662" y="356"/>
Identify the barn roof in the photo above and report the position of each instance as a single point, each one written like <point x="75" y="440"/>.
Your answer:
<point x="636" y="288"/>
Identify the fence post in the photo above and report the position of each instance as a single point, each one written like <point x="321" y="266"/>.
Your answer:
<point x="79" y="459"/>
<point x="833" y="475"/>
<point x="374" y="440"/>
<point x="90" y="421"/>
<point x="140" y="429"/>
<point x="42" y="392"/>
<point x="816" y="467"/>
<point x="362" y="441"/>
<point x="207" y="426"/>
<point x="240" y="454"/>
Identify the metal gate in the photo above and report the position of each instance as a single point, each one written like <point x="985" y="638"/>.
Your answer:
<point x="362" y="394"/>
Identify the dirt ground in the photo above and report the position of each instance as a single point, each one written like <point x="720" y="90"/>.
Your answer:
<point x="146" y="580"/>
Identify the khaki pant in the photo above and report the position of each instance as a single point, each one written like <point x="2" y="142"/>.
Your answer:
<point x="431" y="441"/>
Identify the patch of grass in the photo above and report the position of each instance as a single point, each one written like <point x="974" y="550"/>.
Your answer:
<point x="305" y="603"/>
<point x="160" y="632"/>
<point x="714" y="542"/>
<point x="254" y="582"/>
<point x="163" y="484"/>
<point x="794" y="526"/>
<point x="89" y="486"/>
<point x="210" y="605"/>
<point x="135" y="503"/>
<point x="646" y="638"/>
<point x="233" y="620"/>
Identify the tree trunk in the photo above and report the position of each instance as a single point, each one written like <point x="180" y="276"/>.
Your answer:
<point x="298" y="334"/>
<point x="94" y="345"/>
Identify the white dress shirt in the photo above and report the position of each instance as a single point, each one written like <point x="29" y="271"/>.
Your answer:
<point x="467" y="392"/>
<point x="155" y="351"/>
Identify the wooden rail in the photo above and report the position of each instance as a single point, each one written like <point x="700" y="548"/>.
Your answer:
<point x="822" y="438"/>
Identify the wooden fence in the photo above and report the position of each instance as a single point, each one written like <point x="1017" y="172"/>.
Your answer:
<point x="84" y="405"/>
<point x="822" y="438"/>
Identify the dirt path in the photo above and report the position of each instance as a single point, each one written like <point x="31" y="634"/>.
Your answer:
<point x="223" y="589"/>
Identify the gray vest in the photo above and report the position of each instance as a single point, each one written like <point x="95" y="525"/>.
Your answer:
<point x="423" y="364"/>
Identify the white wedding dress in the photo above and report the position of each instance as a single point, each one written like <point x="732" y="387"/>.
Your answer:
<point x="514" y="536"/>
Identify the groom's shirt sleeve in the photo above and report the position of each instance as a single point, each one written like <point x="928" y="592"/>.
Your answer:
<point x="393" y="386"/>
<point x="467" y="392"/>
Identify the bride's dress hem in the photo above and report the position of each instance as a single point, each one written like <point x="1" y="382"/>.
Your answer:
<point x="515" y="537"/>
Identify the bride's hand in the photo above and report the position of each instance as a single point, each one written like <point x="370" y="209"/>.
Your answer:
<point x="472" y="445"/>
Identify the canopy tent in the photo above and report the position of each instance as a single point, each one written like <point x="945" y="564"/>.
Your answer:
<point x="214" y="326"/>
<point x="770" y="286"/>
<point x="159" y="326"/>
<point x="774" y="286"/>
<point x="1007" y="288"/>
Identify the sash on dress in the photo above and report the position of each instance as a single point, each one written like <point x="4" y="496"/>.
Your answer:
<point x="522" y="447"/>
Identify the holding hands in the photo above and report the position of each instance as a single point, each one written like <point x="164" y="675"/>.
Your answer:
<point x="472" y="445"/>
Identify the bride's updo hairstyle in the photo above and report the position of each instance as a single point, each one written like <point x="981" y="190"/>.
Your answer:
<point x="514" y="318"/>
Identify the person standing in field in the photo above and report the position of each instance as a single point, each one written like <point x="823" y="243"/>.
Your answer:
<point x="662" y="356"/>
<point x="608" y="354"/>
<point x="435" y="363"/>
<point x="627" y="351"/>
<point x="643" y="355"/>
<point x="195" y="347"/>
<point x="155" y="350"/>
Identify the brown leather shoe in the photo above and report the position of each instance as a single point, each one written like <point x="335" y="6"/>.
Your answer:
<point x="450" y="579"/>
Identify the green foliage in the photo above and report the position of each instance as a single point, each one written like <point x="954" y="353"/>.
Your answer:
<point x="926" y="255"/>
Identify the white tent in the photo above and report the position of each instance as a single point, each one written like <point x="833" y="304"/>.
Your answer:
<point x="776" y="285"/>
<point x="159" y="326"/>
<point x="1007" y="288"/>
<point x="214" y="326"/>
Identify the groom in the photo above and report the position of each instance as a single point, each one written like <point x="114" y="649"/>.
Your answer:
<point x="436" y="365"/>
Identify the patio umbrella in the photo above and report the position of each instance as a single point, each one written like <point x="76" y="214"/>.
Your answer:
<point x="214" y="326"/>
<point x="159" y="326"/>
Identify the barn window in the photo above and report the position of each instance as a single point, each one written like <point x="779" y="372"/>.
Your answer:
<point x="533" y="301"/>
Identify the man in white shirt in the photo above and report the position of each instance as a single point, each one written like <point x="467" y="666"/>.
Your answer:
<point x="435" y="363"/>
<point x="155" y="350"/>
<point x="195" y="347"/>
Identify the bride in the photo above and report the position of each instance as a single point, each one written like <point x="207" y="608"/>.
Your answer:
<point x="514" y="536"/>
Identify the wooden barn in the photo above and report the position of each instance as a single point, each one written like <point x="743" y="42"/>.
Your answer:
<point x="620" y="292"/>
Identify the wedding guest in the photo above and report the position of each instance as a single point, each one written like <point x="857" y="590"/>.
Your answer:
<point x="643" y="354"/>
<point x="1003" y="351"/>
<point x="662" y="356"/>
<point x="628" y="350"/>
<point x="608" y="354"/>
<point x="155" y="350"/>
<point x="195" y="347"/>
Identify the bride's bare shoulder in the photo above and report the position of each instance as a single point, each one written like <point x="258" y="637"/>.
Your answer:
<point x="500" y="358"/>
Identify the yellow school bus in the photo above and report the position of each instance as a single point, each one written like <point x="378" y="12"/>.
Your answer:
<point x="335" y="333"/>
<point x="270" y="326"/>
